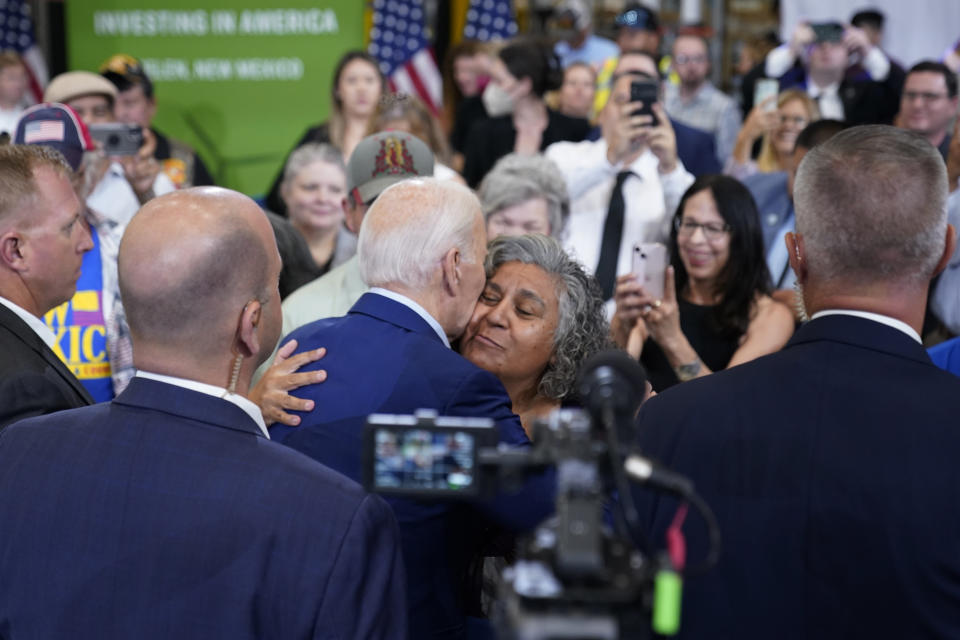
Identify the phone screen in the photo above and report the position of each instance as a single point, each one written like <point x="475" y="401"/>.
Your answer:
<point x="765" y="88"/>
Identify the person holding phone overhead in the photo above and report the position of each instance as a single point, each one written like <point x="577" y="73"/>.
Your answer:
<point x="849" y="78"/>
<point x="716" y="310"/>
<point x="623" y="186"/>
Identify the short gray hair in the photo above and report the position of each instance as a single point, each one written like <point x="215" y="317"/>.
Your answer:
<point x="308" y="154"/>
<point x="871" y="204"/>
<point x="410" y="226"/>
<point x="582" y="328"/>
<point x="517" y="178"/>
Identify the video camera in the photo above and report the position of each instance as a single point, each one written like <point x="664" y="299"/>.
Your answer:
<point x="575" y="577"/>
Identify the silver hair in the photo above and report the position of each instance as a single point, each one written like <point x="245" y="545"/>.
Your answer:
<point x="409" y="228"/>
<point x="517" y="178"/>
<point x="582" y="328"/>
<point x="308" y="154"/>
<point x="871" y="204"/>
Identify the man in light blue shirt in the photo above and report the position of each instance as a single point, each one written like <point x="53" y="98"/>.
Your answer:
<point x="583" y="45"/>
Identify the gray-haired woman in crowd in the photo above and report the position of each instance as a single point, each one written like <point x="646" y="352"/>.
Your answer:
<point x="538" y="319"/>
<point x="525" y="194"/>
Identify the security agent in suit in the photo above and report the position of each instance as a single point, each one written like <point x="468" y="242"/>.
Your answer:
<point x="421" y="249"/>
<point x="831" y="464"/>
<point x="42" y="242"/>
<point x="168" y="513"/>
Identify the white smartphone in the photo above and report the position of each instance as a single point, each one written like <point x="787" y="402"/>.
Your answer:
<point x="765" y="88"/>
<point x="650" y="266"/>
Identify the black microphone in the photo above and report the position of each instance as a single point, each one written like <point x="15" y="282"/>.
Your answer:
<point x="612" y="385"/>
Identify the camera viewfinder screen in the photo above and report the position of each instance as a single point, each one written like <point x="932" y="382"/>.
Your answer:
<point x="426" y="460"/>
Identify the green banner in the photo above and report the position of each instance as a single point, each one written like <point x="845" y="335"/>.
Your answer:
<point x="239" y="80"/>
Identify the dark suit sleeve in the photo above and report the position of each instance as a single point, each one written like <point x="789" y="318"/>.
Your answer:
<point x="365" y="597"/>
<point x="652" y="442"/>
<point x="482" y="395"/>
<point x="29" y="394"/>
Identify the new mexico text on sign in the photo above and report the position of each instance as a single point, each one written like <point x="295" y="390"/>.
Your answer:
<point x="239" y="80"/>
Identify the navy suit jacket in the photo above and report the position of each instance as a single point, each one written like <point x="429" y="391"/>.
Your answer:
<point x="832" y="469"/>
<point x="384" y="358"/>
<point x="33" y="380"/>
<point x="769" y="191"/>
<point x="167" y="514"/>
<point x="696" y="149"/>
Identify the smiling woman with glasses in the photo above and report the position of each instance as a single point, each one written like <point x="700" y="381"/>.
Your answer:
<point x="716" y="311"/>
<point x="777" y="127"/>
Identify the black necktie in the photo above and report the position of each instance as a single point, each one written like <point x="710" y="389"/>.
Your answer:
<point x="612" y="236"/>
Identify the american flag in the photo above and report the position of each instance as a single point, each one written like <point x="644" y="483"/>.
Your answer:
<point x="16" y="32"/>
<point x="43" y="131"/>
<point x="398" y="40"/>
<point x="490" y="20"/>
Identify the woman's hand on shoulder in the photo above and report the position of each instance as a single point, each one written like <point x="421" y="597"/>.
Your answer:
<point x="272" y="391"/>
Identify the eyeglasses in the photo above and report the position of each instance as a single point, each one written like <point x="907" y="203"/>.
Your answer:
<point x="797" y="121"/>
<point x="712" y="231"/>
<point x="682" y="59"/>
<point x="924" y="96"/>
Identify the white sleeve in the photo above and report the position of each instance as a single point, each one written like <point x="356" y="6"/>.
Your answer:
<point x="163" y="184"/>
<point x="877" y="64"/>
<point x="582" y="169"/>
<point x="779" y="61"/>
<point x="673" y="185"/>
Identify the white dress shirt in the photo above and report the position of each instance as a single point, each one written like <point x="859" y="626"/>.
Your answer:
<point x="114" y="199"/>
<point x="650" y="199"/>
<point x="416" y="308"/>
<point x="37" y="324"/>
<point x="9" y="118"/>
<point x="899" y="325"/>
<point x="246" y="405"/>
<point x="827" y="99"/>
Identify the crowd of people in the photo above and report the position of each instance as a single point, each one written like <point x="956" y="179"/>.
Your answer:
<point x="187" y="372"/>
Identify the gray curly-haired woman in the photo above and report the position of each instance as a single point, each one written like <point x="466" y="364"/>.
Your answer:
<point x="538" y="319"/>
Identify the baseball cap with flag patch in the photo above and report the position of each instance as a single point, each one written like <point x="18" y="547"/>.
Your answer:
<point x="55" y="125"/>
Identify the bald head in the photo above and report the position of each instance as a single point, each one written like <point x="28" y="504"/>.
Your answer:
<point x="189" y="263"/>
<point x="411" y="226"/>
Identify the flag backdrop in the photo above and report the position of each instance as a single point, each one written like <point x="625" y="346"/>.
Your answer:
<point x="16" y="32"/>
<point x="399" y="42"/>
<point x="490" y="20"/>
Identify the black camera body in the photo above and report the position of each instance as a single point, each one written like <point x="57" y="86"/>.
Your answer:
<point x="574" y="577"/>
<point x="579" y="574"/>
